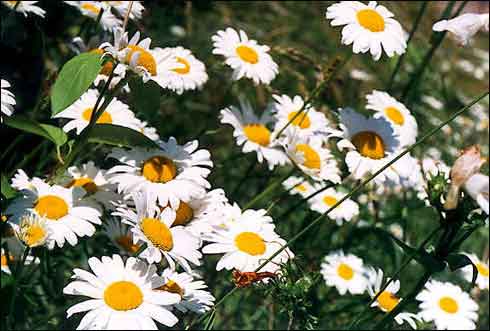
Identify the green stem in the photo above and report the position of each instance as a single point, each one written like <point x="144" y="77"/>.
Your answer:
<point x="245" y="177"/>
<point x="355" y="190"/>
<point x="15" y="286"/>
<point x="399" y="63"/>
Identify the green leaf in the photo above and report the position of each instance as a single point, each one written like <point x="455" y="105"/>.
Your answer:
<point x="458" y="261"/>
<point x="51" y="132"/>
<point x="119" y="136"/>
<point x="145" y="96"/>
<point x="6" y="280"/>
<point x="429" y="261"/>
<point x="210" y="321"/>
<point x="7" y="191"/>
<point x="75" y="78"/>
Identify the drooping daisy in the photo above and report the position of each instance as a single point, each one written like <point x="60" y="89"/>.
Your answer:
<point x="121" y="236"/>
<point x="154" y="227"/>
<point x="371" y="142"/>
<point x="137" y="56"/>
<point x="463" y="27"/>
<point x="482" y="268"/>
<point x="201" y="214"/>
<point x="447" y="306"/>
<point x="189" y="75"/>
<point x="61" y="207"/>
<point x="25" y="7"/>
<point x="99" y="192"/>
<point x="387" y="300"/>
<point x="93" y="9"/>
<point x="346" y="211"/>
<point x="252" y="132"/>
<point x="7" y="99"/>
<point x="345" y="272"/>
<point x="405" y="125"/>
<point x="123" y="295"/>
<point x="122" y="8"/>
<point x="368" y="27"/>
<point x="172" y="173"/>
<point x="246" y="57"/>
<point x="298" y="185"/>
<point x="193" y="294"/>
<point x="308" y="122"/>
<point x="247" y="243"/>
<point x="310" y="156"/>
<point x="80" y="112"/>
<point x="477" y="187"/>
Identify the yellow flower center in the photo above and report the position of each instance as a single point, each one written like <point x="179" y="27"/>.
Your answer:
<point x="126" y="242"/>
<point x="345" y="271"/>
<point x="172" y="287"/>
<point x="158" y="233"/>
<point x="250" y="243"/>
<point x="3" y="218"/>
<point x="33" y="235"/>
<point x="108" y="65"/>
<point x="482" y="269"/>
<point x="388" y="300"/>
<point x="330" y="200"/>
<point x="449" y="305"/>
<point x="395" y="115"/>
<point x="86" y="183"/>
<point x="369" y="144"/>
<point x="4" y="261"/>
<point x="52" y="207"/>
<point x="185" y="69"/>
<point x="371" y="20"/>
<point x="159" y="169"/>
<point x="247" y="54"/>
<point x="312" y="159"/>
<point x="123" y="296"/>
<point x="258" y="134"/>
<point x="300" y="187"/>
<point x="184" y="214"/>
<point x="91" y="8"/>
<point x="145" y="60"/>
<point x="105" y="118"/>
<point x="302" y="120"/>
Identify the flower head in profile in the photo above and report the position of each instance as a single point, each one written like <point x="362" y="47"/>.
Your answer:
<point x="96" y="9"/>
<point x="463" y="27"/>
<point x="482" y="278"/>
<point x="245" y="56"/>
<point x="25" y="7"/>
<point x="369" y="28"/>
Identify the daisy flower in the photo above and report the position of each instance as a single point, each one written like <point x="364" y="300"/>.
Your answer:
<point x="482" y="268"/>
<point x="368" y="27"/>
<point x="80" y="112"/>
<point x="463" y="27"/>
<point x="189" y="75"/>
<point x="92" y="9"/>
<point x="371" y="142"/>
<point x="346" y="211"/>
<point x="120" y="236"/>
<point x="25" y="7"/>
<point x="61" y="207"/>
<point x="193" y="294"/>
<point x="155" y="228"/>
<point x="477" y="187"/>
<point x="32" y="230"/>
<point x="171" y="174"/>
<point x="7" y="99"/>
<point x="309" y="122"/>
<point x="345" y="272"/>
<point x="137" y="56"/>
<point x="387" y="300"/>
<point x="142" y="126"/>
<point x="447" y="306"/>
<point x="252" y="132"/>
<point x="123" y="295"/>
<point x="311" y="157"/>
<point x="404" y="124"/>
<point x="246" y="57"/>
<point x="99" y="192"/>
<point x="246" y="244"/>
<point x="122" y="8"/>
<point x="298" y="185"/>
